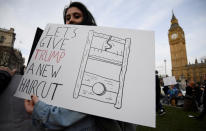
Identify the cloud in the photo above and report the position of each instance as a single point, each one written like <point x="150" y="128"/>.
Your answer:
<point x="157" y="12"/>
<point x="195" y="38"/>
<point x="25" y="16"/>
<point x="162" y="53"/>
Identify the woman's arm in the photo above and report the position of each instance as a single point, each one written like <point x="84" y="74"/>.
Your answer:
<point x="52" y="117"/>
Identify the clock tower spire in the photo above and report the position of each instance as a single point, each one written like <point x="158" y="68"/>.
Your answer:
<point x="177" y="47"/>
<point x="174" y="20"/>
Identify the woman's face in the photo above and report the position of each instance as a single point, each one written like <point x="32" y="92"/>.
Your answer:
<point x="74" y="16"/>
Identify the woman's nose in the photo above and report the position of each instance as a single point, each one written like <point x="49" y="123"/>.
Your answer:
<point x="71" y="21"/>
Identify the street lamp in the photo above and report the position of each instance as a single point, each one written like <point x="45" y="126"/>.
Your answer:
<point x="165" y="67"/>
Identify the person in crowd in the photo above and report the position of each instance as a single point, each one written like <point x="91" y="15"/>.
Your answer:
<point x="202" y="114"/>
<point x="190" y="101"/>
<point x="52" y="117"/>
<point x="166" y="96"/>
<point x="198" y="94"/>
<point x="165" y="89"/>
<point x="173" y="92"/>
<point x="190" y="89"/>
<point x="5" y="77"/>
<point x="159" y="107"/>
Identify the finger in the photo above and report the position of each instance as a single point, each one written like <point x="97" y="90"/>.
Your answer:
<point x="34" y="99"/>
<point x="25" y="102"/>
<point x="28" y="102"/>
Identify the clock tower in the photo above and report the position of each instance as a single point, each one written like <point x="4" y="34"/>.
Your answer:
<point x="177" y="47"/>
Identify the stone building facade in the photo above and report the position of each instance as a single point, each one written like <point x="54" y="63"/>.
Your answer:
<point x="180" y="67"/>
<point x="9" y="56"/>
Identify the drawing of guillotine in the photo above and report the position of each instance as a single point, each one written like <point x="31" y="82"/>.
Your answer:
<point x="103" y="68"/>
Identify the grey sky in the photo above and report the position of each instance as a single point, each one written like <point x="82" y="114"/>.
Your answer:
<point x="26" y="15"/>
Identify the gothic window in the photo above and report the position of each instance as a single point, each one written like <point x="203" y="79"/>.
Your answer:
<point x="4" y="58"/>
<point x="2" y="38"/>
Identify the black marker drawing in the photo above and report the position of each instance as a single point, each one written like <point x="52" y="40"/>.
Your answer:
<point x="66" y="32"/>
<point x="111" y="54"/>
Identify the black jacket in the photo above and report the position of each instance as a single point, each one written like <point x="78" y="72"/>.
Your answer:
<point x="5" y="78"/>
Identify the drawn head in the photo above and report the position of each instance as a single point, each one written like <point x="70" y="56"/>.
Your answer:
<point x="77" y="13"/>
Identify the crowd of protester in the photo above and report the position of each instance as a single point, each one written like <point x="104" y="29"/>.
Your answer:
<point x="190" y="97"/>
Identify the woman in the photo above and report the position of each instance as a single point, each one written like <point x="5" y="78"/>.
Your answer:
<point x="77" y="13"/>
<point x="52" y="117"/>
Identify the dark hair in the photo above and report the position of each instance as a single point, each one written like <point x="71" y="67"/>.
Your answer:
<point x="88" y="19"/>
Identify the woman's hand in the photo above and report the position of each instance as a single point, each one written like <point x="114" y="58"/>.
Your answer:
<point x="29" y="104"/>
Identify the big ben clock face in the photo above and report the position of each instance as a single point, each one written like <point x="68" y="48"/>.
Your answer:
<point x="174" y="36"/>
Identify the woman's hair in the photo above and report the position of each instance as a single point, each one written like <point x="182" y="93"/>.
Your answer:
<point x="88" y="19"/>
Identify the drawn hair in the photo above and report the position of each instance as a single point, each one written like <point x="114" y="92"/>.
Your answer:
<point x="88" y="19"/>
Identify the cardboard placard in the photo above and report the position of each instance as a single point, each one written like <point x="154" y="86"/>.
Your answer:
<point x="101" y="71"/>
<point x="169" y="81"/>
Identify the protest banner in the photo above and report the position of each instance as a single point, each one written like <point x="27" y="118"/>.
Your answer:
<point x="169" y="81"/>
<point x="101" y="71"/>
